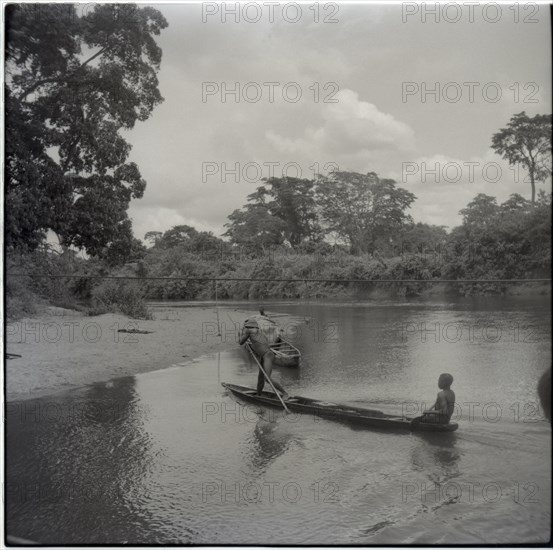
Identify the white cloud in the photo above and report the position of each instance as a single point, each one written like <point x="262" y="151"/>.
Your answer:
<point x="352" y="133"/>
<point x="162" y="219"/>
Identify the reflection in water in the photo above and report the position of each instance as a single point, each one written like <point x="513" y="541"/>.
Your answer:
<point x="266" y="444"/>
<point x="437" y="456"/>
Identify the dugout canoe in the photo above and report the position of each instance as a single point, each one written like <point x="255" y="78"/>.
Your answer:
<point x="359" y="416"/>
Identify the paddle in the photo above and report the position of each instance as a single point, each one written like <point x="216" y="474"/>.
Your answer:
<point x="267" y="378"/>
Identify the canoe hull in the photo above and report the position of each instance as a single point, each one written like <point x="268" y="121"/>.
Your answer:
<point x="338" y="412"/>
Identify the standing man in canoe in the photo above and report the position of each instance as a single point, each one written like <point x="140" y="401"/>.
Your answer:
<point x="260" y="346"/>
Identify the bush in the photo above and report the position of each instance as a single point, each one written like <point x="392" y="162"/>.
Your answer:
<point x="120" y="296"/>
<point x="21" y="301"/>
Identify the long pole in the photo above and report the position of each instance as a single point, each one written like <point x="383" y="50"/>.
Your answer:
<point x="267" y="378"/>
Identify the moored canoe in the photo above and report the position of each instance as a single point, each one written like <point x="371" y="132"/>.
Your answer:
<point x="286" y="355"/>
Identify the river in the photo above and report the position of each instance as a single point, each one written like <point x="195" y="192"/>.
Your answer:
<point x="167" y="457"/>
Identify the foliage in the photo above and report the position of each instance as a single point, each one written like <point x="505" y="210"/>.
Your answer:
<point x="254" y="225"/>
<point x="362" y="208"/>
<point x="291" y="200"/>
<point x="72" y="84"/>
<point x="495" y="241"/>
<point x="282" y="210"/>
<point x="124" y="296"/>
<point x="422" y="238"/>
<point x="152" y="237"/>
<point x="527" y="141"/>
<point x="21" y="301"/>
<point x="125" y="248"/>
<point x="506" y="241"/>
<point x="187" y="238"/>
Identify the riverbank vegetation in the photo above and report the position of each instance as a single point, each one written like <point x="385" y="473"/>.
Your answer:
<point x="511" y="240"/>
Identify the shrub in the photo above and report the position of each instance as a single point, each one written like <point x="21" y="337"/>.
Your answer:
<point x="21" y="301"/>
<point x="120" y="296"/>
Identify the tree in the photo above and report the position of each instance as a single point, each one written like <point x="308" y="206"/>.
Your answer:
<point x="479" y="213"/>
<point x="72" y="84"/>
<point x="179" y="235"/>
<point x="510" y="240"/>
<point x="527" y="141"/>
<point x="123" y="248"/>
<point x="255" y="226"/>
<point x="153" y="237"/>
<point x="292" y="200"/>
<point x="362" y="208"/>
<point x="423" y="238"/>
<point x="283" y="209"/>
<point x="188" y="239"/>
<point x="515" y="203"/>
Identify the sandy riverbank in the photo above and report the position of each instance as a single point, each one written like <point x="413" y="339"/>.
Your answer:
<point x="62" y="349"/>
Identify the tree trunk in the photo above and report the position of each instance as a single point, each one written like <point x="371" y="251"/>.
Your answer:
<point x="532" y="181"/>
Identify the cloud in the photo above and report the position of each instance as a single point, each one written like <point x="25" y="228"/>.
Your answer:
<point x="162" y="219"/>
<point x="350" y="128"/>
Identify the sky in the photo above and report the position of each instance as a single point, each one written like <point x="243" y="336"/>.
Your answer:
<point x="348" y="88"/>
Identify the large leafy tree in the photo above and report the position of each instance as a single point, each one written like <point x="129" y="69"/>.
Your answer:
<point x="72" y="84"/>
<point x="255" y="226"/>
<point x="188" y="239"/>
<point x="526" y="141"/>
<point x="292" y="200"/>
<point x="362" y="208"/>
<point x="281" y="210"/>
<point x="479" y="214"/>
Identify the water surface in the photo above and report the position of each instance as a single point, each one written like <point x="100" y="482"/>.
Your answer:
<point x="168" y="457"/>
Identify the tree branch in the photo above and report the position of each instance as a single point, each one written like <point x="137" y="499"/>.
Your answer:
<point x="39" y="83"/>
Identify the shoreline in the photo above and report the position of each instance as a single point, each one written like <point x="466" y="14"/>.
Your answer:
<point x="62" y="349"/>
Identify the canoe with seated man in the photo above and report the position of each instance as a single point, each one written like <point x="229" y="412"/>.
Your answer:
<point x="260" y="346"/>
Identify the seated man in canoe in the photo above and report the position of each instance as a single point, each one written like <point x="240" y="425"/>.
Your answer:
<point x="441" y="411"/>
<point x="260" y="346"/>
